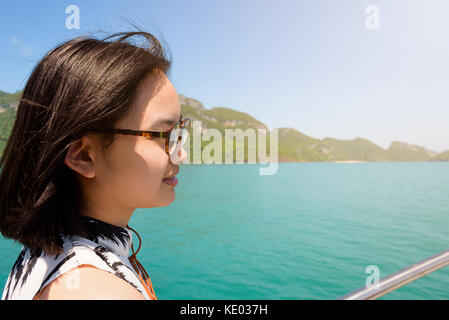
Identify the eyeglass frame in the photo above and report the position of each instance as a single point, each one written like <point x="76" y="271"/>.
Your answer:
<point x="155" y="134"/>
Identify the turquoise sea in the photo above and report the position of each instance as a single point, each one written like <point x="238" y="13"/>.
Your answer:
<point x="307" y="232"/>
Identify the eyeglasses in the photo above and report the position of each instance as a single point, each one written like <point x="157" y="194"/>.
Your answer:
<point x="174" y="137"/>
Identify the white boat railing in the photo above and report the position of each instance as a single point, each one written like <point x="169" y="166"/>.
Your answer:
<point x="400" y="278"/>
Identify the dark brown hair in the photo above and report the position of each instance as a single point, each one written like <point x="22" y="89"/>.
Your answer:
<point x="83" y="86"/>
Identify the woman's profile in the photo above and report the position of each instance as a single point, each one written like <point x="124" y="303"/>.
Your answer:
<point x="98" y="133"/>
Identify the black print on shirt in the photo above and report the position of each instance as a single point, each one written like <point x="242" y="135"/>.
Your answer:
<point x="102" y="253"/>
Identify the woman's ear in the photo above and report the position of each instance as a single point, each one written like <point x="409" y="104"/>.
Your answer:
<point x="80" y="157"/>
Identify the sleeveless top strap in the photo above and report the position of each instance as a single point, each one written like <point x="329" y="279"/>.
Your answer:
<point x="141" y="272"/>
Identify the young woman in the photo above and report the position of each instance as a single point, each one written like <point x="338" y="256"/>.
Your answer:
<point x="98" y="133"/>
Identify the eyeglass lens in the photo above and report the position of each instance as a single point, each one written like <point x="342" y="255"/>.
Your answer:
<point x="177" y="136"/>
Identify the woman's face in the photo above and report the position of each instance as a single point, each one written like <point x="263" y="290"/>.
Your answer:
<point x="132" y="172"/>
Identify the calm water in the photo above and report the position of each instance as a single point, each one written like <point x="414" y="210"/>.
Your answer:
<point x="307" y="232"/>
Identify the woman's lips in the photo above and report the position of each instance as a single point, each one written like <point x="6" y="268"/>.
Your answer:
<point x="173" y="181"/>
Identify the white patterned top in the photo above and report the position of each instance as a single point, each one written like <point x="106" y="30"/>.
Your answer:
<point x="106" y="247"/>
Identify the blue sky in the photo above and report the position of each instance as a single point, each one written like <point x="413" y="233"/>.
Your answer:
<point x="310" y="65"/>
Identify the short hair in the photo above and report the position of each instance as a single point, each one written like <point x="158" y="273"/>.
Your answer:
<point x="84" y="85"/>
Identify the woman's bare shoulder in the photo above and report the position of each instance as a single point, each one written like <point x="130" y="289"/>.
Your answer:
<point x="89" y="283"/>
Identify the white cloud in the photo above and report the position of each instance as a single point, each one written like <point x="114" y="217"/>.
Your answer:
<point x="24" y="49"/>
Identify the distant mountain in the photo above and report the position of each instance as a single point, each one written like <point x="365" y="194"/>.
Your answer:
<point x="296" y="146"/>
<point x="7" y="117"/>
<point x="306" y="148"/>
<point x="441" y="157"/>
<point x="293" y="145"/>
<point x="220" y="118"/>
<point x="357" y="149"/>
<point x="400" y="151"/>
<point x="9" y="100"/>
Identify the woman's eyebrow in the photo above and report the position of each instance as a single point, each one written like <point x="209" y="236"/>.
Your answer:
<point x="165" y="121"/>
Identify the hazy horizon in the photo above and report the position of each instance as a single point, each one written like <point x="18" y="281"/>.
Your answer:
<point x="383" y="147"/>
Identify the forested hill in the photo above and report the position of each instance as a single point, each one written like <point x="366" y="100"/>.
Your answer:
<point x="293" y="145"/>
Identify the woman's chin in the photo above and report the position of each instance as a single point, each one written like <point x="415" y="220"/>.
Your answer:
<point x="167" y="198"/>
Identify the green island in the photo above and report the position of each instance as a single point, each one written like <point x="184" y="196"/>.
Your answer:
<point x="293" y="146"/>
